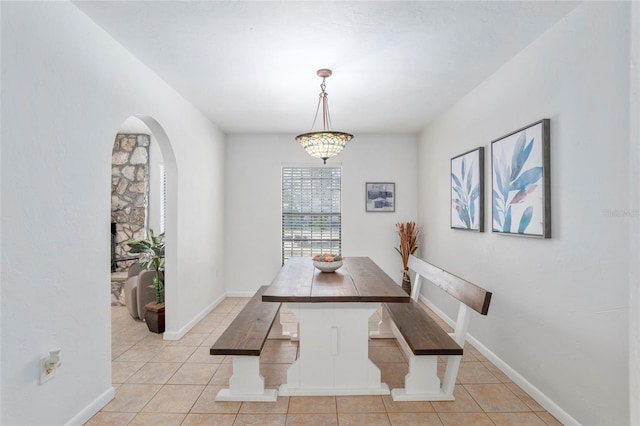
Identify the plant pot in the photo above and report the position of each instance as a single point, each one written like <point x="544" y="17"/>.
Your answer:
<point x="154" y="317"/>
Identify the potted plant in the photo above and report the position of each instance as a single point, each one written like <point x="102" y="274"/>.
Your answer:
<point x="408" y="233"/>
<point x="151" y="252"/>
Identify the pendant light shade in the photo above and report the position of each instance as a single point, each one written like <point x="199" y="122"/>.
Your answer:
<point x="326" y="143"/>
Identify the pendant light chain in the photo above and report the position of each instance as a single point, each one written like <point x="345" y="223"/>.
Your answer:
<point x="326" y="143"/>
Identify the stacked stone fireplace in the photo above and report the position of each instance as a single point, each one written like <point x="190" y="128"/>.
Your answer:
<point x="129" y="195"/>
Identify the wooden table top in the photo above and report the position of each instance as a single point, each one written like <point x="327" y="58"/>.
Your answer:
<point x="358" y="280"/>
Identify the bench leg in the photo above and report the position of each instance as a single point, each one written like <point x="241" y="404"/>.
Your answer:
<point x="422" y="382"/>
<point x="384" y="331"/>
<point x="278" y="330"/>
<point x="246" y="383"/>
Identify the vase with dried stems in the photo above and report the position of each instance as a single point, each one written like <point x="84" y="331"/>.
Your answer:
<point x="408" y="233"/>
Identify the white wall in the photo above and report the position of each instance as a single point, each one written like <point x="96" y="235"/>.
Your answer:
<point x="66" y="88"/>
<point x="559" y="314"/>
<point x="253" y="201"/>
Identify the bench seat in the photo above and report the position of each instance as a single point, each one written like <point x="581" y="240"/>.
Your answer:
<point x="244" y="340"/>
<point x="422" y="333"/>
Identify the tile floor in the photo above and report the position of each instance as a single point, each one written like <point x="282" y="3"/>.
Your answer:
<point x="175" y="382"/>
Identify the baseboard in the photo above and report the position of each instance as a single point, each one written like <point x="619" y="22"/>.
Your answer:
<point x="177" y="335"/>
<point x="529" y="388"/>
<point x="92" y="409"/>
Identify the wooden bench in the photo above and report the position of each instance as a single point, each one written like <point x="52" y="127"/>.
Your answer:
<point x="423" y="339"/>
<point x="244" y="340"/>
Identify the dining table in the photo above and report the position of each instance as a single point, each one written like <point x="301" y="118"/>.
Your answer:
<point x="333" y="311"/>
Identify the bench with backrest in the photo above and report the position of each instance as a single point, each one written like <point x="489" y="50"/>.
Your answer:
<point x="244" y="340"/>
<point x="423" y="340"/>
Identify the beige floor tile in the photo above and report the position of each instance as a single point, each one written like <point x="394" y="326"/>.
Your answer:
<point x="155" y="372"/>
<point x="209" y="420"/>
<point x="260" y="420"/>
<point x="201" y="356"/>
<point x="110" y="419"/>
<point x="174" y="354"/>
<point x="213" y="336"/>
<point x="393" y="374"/>
<point x="222" y="375"/>
<point x="192" y="338"/>
<point x="157" y="419"/>
<point x="384" y="354"/>
<point x="117" y="350"/>
<point x="414" y="419"/>
<point x="312" y="404"/>
<point x="548" y="419"/>
<point x="153" y="339"/>
<point x="497" y="372"/>
<point x="193" y="374"/>
<point x="496" y="398"/>
<point x="360" y="404"/>
<point x="516" y="419"/>
<point x="207" y="404"/>
<point x="520" y="393"/>
<point x="361" y="419"/>
<point x="465" y="419"/>
<point x="131" y="398"/>
<point x="406" y="406"/>
<point x="139" y="353"/>
<point x="463" y="403"/>
<point x="174" y="399"/>
<point x="475" y="372"/>
<point x="274" y="374"/>
<point x="317" y="419"/>
<point x="122" y="370"/>
<point x="278" y="354"/>
<point x="279" y="407"/>
<point x="476" y="353"/>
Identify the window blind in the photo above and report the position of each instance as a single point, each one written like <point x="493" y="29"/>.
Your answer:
<point x="311" y="216"/>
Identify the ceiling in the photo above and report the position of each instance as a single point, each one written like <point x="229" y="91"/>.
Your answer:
<point x="250" y="67"/>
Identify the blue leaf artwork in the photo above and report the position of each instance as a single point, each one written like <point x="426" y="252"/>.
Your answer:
<point x="517" y="195"/>
<point x="466" y="190"/>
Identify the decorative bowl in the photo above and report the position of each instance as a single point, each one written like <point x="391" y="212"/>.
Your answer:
<point x="328" y="266"/>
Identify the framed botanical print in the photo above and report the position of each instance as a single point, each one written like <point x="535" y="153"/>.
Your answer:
<point x="521" y="188"/>
<point x="467" y="195"/>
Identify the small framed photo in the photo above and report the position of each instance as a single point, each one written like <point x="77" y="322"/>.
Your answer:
<point x="467" y="194"/>
<point x="521" y="190"/>
<point x="381" y="197"/>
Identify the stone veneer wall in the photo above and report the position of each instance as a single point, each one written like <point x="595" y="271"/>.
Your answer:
<point x="129" y="191"/>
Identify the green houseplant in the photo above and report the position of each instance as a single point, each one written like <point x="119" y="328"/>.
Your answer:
<point x="151" y="252"/>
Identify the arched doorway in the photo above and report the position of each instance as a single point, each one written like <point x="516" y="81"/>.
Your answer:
<point x="143" y="148"/>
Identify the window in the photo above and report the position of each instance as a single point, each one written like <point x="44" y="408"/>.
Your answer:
<point x="311" y="218"/>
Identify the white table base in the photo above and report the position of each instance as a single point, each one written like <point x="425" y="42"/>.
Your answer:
<point x="334" y="351"/>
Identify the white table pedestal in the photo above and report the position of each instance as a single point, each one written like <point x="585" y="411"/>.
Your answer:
<point x="334" y="351"/>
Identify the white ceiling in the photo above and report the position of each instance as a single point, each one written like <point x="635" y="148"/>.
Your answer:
<point x="251" y="66"/>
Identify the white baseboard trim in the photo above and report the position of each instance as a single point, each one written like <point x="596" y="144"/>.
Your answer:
<point x="529" y="388"/>
<point x="177" y="335"/>
<point x="90" y="410"/>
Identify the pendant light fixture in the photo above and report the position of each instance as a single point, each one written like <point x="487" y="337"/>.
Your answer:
<point x="326" y="143"/>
